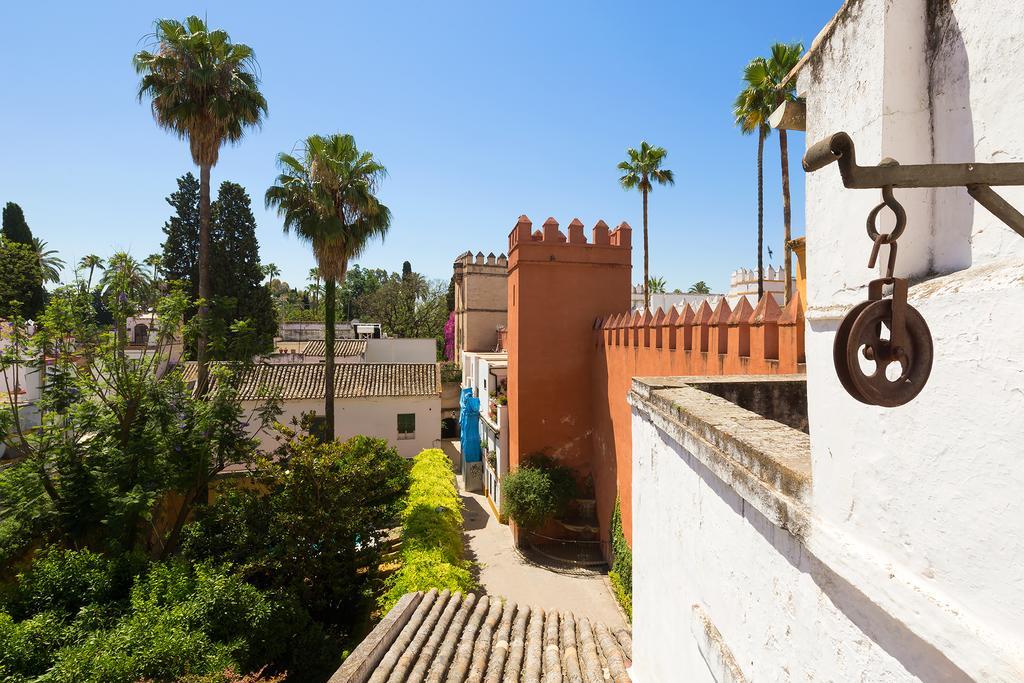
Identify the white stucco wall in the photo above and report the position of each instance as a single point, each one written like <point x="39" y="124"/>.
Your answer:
<point x="909" y="563"/>
<point x="394" y="350"/>
<point x="930" y="489"/>
<point x="697" y="542"/>
<point x="377" y="417"/>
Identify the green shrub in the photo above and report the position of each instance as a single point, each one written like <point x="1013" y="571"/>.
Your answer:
<point x="431" y="533"/>
<point x="621" y="575"/>
<point x="536" y="492"/>
<point x="451" y="372"/>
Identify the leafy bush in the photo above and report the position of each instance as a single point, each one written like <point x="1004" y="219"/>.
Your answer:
<point x="431" y="533"/>
<point x="451" y="372"/>
<point x="621" y="574"/>
<point x="536" y="492"/>
<point x="316" y="527"/>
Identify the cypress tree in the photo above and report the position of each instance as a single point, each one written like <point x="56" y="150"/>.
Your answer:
<point x="236" y="276"/>
<point x="181" y="247"/>
<point x="21" y="283"/>
<point x="14" y="226"/>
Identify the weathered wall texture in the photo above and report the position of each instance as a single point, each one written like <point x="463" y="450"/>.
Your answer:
<point x="481" y="301"/>
<point x="902" y="558"/>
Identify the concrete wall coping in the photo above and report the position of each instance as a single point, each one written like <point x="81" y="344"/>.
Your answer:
<point x="765" y="462"/>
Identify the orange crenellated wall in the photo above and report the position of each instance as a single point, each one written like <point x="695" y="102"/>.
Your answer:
<point x="574" y="347"/>
<point x="765" y="340"/>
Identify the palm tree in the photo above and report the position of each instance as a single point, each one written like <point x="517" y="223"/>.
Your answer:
<point x="772" y="77"/>
<point x="657" y="285"/>
<point x="642" y="167"/>
<point x="203" y="88"/>
<point x="49" y="262"/>
<point x="327" y="196"/>
<point x="751" y="111"/>
<point x="314" y="290"/>
<point x="699" y="287"/>
<point x="125" y="285"/>
<point x="154" y="261"/>
<point x="271" y="271"/>
<point x="92" y="262"/>
<point x="314" y="274"/>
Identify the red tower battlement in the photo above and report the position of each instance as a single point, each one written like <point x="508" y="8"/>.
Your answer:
<point x="557" y="286"/>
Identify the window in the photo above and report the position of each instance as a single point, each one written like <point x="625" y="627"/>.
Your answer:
<point x="406" y="425"/>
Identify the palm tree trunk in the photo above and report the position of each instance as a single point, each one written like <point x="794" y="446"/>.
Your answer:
<point x="88" y="287"/>
<point x="787" y="263"/>
<point x="329" y="315"/>
<point x="204" y="276"/>
<point x="760" y="213"/>
<point x="647" y="293"/>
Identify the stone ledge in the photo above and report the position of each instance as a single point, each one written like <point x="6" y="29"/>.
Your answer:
<point x="765" y="462"/>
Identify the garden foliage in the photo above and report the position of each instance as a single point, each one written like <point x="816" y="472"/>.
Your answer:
<point x="432" y="550"/>
<point x="621" y="574"/>
<point x="537" y="492"/>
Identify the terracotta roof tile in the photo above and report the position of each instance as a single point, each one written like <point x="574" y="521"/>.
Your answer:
<point x="351" y="380"/>
<point x="442" y="636"/>
<point x="342" y="348"/>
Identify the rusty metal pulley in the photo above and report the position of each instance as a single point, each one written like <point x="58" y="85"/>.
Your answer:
<point x="883" y="347"/>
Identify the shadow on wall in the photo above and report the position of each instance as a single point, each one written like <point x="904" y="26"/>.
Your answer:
<point x="949" y="85"/>
<point x="918" y="657"/>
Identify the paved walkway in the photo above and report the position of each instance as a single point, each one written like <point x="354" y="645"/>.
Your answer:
<point x="503" y="571"/>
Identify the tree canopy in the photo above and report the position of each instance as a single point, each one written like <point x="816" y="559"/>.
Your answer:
<point x="14" y="226"/>
<point x="21" y="285"/>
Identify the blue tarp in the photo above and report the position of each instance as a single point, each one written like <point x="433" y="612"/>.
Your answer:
<point x="469" y="421"/>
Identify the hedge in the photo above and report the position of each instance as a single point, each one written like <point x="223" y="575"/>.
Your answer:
<point x="431" y="555"/>
<point x="621" y="575"/>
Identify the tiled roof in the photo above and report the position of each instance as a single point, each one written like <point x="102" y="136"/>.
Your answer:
<point x="440" y="636"/>
<point x="342" y="347"/>
<point x="351" y="380"/>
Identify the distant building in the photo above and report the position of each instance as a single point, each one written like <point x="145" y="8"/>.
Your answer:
<point x="742" y="283"/>
<point x="481" y="301"/>
<point x="398" y="402"/>
<point x="487" y="375"/>
<point x="20" y="385"/>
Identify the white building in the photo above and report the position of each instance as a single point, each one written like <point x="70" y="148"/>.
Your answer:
<point x="887" y="545"/>
<point x="487" y="375"/>
<point x="398" y="402"/>
<point x="742" y="284"/>
<point x="370" y="350"/>
<point x="21" y="385"/>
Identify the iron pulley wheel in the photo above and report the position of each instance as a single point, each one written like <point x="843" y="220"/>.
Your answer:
<point x="899" y="372"/>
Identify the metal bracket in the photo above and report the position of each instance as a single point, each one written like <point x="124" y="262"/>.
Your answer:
<point x="977" y="178"/>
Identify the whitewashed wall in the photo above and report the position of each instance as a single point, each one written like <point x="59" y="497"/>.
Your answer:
<point x="910" y="567"/>
<point x="931" y="489"/>
<point x="377" y="417"/>
<point x="394" y="350"/>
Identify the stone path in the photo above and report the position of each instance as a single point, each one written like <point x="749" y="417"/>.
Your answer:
<point x="504" y="572"/>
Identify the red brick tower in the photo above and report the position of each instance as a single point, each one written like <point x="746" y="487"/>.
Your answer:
<point x="557" y="288"/>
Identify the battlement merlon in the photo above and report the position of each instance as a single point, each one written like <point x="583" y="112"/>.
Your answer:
<point x="551" y="245"/>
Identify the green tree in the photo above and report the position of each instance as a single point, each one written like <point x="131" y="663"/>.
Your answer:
<point x="14" y="226"/>
<point x="92" y="262"/>
<point x="410" y="307"/>
<point x="154" y="261"/>
<point x="772" y="78"/>
<point x="204" y="88"/>
<point x="656" y="285"/>
<point x="49" y="262"/>
<point x="237" y="292"/>
<point x="328" y="197"/>
<point x="640" y="170"/>
<point x="751" y="110"/>
<point x="237" y="276"/>
<point x="181" y="243"/>
<point x="699" y="287"/>
<point x="21" y="282"/>
<point x="271" y="272"/>
<point x="359" y="283"/>
<point x="318" y="530"/>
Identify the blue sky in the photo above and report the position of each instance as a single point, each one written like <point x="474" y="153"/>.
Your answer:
<point x="481" y="112"/>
